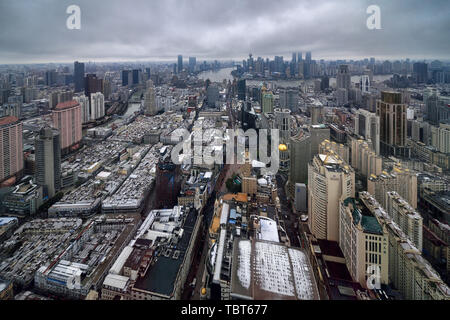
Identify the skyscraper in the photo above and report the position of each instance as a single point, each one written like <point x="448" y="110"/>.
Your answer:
<point x="300" y="149"/>
<point x="241" y="89"/>
<point x="48" y="160"/>
<point x="180" y="63"/>
<point x="125" y="77"/>
<point x="343" y="79"/>
<point x="78" y="76"/>
<point x="420" y="72"/>
<point x="150" y="100"/>
<point x="330" y="181"/>
<point x="136" y="76"/>
<point x="393" y="126"/>
<point x="283" y="124"/>
<point x="299" y="57"/>
<point x="308" y="56"/>
<point x="11" y="148"/>
<point x="67" y="119"/>
<point x="92" y="84"/>
<point x="192" y="64"/>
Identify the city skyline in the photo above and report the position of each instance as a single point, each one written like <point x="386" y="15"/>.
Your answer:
<point x="220" y="31"/>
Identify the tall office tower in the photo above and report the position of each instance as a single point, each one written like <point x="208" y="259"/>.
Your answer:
<point x="316" y="111"/>
<point x="125" y="77"/>
<point x="267" y="101"/>
<point x="393" y="126"/>
<point x="319" y="133"/>
<point x="212" y="95"/>
<point x="78" y="76"/>
<point x="363" y="159"/>
<point x="367" y="125"/>
<point x="289" y="99"/>
<point x="329" y="182"/>
<point x="136" y="76"/>
<point x="363" y="241"/>
<point x="150" y="99"/>
<point x="85" y="108"/>
<point x="408" y="219"/>
<point x="409" y="272"/>
<point x="180" y="63"/>
<point x="300" y="149"/>
<point x="48" y="160"/>
<point x="343" y="78"/>
<point x="283" y="124"/>
<point x="97" y="106"/>
<point x="192" y="64"/>
<point x="67" y="119"/>
<point x="51" y="77"/>
<point x="402" y="181"/>
<point x="420" y="72"/>
<point x="294" y="58"/>
<point x="11" y="148"/>
<point x="324" y="83"/>
<point x="364" y="84"/>
<point x="92" y="85"/>
<point x="241" y="89"/>
<point x="299" y="57"/>
<point x="308" y="56"/>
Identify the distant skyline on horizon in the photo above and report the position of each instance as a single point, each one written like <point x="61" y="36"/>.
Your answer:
<point x="36" y="32"/>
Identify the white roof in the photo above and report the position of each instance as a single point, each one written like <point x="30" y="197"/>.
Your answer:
<point x="116" y="281"/>
<point x="269" y="231"/>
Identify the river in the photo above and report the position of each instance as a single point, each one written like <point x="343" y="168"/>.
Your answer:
<point x="225" y="73"/>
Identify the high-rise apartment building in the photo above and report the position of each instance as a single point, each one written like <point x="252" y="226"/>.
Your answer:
<point x="267" y="102"/>
<point x="67" y="119"/>
<point x="364" y="159"/>
<point x="330" y="181"/>
<point x="363" y="241"/>
<point x="97" y="106"/>
<point x="85" y="108"/>
<point x="11" y="148"/>
<point x="48" y="160"/>
<point x="367" y="125"/>
<point x="408" y="219"/>
<point x="403" y="181"/>
<point x="409" y="272"/>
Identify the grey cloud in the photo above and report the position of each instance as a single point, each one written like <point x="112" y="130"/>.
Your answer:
<point x="35" y="31"/>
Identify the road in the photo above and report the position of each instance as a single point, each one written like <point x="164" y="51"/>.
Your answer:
<point x="290" y="218"/>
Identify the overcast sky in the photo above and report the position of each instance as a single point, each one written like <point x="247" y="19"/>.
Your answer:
<point x="35" y="30"/>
